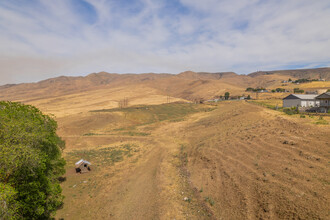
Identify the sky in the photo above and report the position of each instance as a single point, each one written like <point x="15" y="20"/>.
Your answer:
<point x="40" y="39"/>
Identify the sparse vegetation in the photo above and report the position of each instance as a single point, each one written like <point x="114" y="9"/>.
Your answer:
<point x="291" y="111"/>
<point x="209" y="200"/>
<point x="297" y="90"/>
<point x="104" y="156"/>
<point x="142" y="115"/>
<point x="133" y="133"/>
<point x="321" y="121"/>
<point x="90" y="134"/>
<point x="271" y="104"/>
<point x="183" y="155"/>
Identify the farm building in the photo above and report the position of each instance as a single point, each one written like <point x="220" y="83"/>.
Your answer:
<point x="298" y="100"/>
<point x="82" y="166"/>
<point x="324" y="100"/>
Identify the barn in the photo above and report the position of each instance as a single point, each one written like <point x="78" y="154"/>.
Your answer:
<point x="300" y="100"/>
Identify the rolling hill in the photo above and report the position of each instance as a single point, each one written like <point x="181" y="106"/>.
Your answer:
<point x="107" y="89"/>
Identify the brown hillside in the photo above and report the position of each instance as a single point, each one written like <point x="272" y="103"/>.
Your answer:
<point x="323" y="73"/>
<point x="186" y="85"/>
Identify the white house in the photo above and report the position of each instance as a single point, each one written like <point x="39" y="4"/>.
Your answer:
<point x="300" y="100"/>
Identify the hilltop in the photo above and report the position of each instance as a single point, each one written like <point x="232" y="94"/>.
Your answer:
<point x="318" y="73"/>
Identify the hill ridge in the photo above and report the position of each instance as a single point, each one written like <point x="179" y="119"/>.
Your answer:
<point x="187" y="85"/>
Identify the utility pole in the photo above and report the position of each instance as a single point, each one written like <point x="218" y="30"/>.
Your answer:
<point x="168" y="99"/>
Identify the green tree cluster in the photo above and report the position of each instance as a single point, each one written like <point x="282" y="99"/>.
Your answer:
<point x="297" y="90"/>
<point x="278" y="90"/>
<point x="227" y="95"/>
<point x="30" y="163"/>
<point x="250" y="89"/>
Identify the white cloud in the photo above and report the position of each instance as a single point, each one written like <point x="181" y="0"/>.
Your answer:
<point x="44" y="39"/>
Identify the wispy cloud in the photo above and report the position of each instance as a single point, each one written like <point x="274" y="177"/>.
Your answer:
<point x="41" y="39"/>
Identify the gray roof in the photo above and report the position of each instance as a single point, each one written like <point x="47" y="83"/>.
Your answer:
<point x="325" y="95"/>
<point x="305" y="96"/>
<point x="301" y="96"/>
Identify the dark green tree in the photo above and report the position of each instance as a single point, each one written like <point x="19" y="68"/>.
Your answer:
<point x="297" y="90"/>
<point x="249" y="97"/>
<point x="30" y="163"/>
<point x="227" y="95"/>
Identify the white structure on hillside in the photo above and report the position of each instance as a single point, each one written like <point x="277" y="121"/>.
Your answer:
<point x="300" y="100"/>
<point x="82" y="166"/>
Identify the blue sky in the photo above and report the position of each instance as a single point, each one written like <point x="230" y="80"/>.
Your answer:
<point x="40" y="39"/>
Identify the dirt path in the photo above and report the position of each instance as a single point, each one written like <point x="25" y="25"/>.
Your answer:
<point x="137" y="194"/>
<point x="155" y="189"/>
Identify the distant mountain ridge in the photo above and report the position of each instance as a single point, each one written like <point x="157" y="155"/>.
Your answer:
<point x="187" y="85"/>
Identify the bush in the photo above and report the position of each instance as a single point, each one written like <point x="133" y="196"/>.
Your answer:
<point x="291" y="111"/>
<point x="30" y="163"/>
<point x="297" y="90"/>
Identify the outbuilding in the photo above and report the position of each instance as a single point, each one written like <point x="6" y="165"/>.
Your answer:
<point x="82" y="166"/>
<point x="300" y="100"/>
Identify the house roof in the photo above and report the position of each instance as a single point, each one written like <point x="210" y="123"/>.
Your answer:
<point x="82" y="161"/>
<point x="324" y="96"/>
<point x="301" y="96"/>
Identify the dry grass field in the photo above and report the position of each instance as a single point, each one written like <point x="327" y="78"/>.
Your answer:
<point x="235" y="160"/>
<point x="163" y="157"/>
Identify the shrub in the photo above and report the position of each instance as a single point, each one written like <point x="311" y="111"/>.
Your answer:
<point x="291" y="111"/>
<point x="209" y="200"/>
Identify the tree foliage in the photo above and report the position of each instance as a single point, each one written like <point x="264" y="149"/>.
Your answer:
<point x="297" y="90"/>
<point x="30" y="163"/>
<point x="227" y="95"/>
